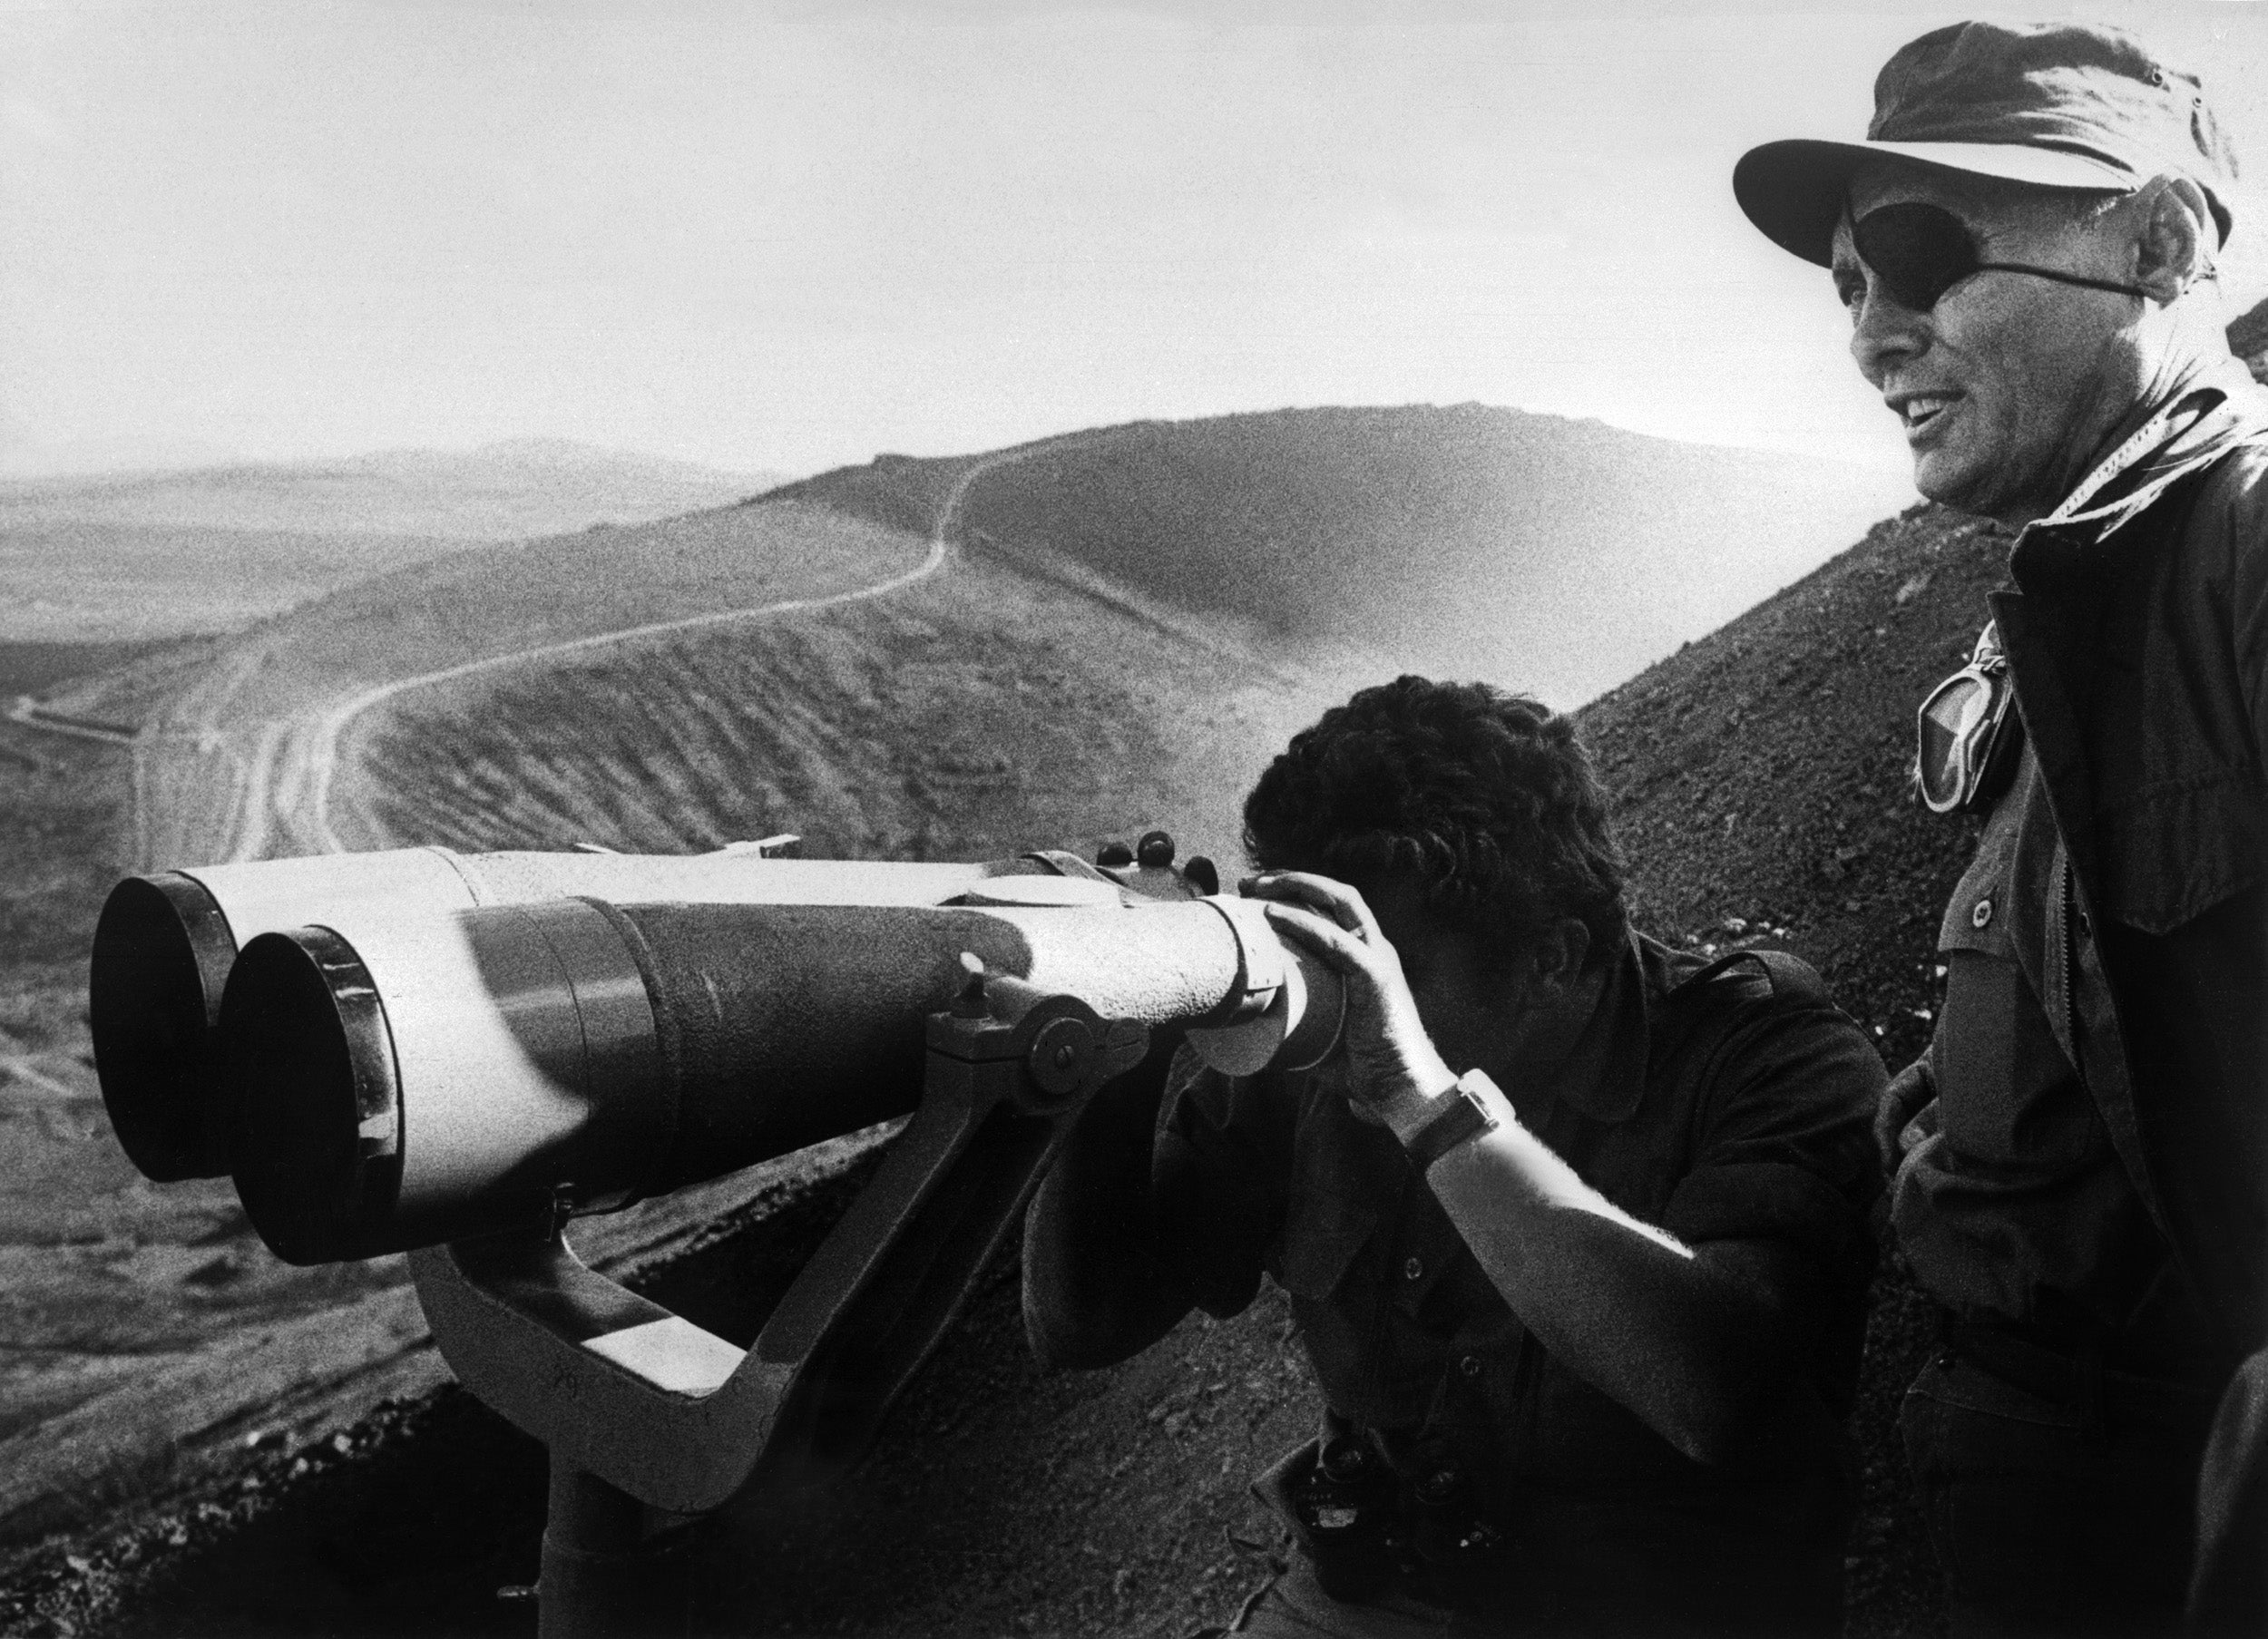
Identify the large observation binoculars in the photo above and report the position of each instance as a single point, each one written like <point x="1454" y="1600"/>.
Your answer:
<point x="404" y="1069"/>
<point x="435" y="1077"/>
<point x="165" y="944"/>
<point x="387" y="1067"/>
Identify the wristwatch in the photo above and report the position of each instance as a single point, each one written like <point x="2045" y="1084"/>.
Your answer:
<point x="1468" y="1110"/>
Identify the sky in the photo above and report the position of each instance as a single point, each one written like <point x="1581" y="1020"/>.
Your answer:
<point x="775" y="237"/>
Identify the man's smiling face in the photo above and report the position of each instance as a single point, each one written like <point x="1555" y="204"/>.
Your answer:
<point x="2009" y="385"/>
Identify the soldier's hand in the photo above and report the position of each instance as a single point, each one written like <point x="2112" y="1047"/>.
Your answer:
<point x="1392" y="1065"/>
<point x="1911" y="1091"/>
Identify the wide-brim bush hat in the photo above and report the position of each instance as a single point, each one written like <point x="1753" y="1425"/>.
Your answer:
<point x="2057" y="105"/>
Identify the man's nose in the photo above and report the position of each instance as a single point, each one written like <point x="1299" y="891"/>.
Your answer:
<point x="1887" y="333"/>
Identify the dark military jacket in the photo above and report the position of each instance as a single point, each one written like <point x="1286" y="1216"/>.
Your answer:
<point x="2137" y="641"/>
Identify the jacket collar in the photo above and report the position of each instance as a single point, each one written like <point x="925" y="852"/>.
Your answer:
<point x="2158" y="446"/>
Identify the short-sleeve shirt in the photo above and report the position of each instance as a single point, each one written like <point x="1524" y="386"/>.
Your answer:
<point x="1720" y="1109"/>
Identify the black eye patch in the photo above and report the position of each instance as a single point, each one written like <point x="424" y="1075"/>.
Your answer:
<point x="1919" y="251"/>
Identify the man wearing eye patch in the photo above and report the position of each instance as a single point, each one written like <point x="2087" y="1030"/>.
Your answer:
<point x="2026" y="243"/>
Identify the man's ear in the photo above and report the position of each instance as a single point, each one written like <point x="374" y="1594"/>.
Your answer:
<point x="1560" y="950"/>
<point x="2173" y="248"/>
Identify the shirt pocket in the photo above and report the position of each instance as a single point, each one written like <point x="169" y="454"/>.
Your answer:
<point x="1977" y="916"/>
<point x="2177" y="848"/>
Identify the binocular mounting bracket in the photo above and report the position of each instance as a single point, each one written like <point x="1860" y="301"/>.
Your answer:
<point x="638" y="1405"/>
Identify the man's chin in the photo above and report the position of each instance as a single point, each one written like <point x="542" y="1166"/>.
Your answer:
<point x="1943" y="478"/>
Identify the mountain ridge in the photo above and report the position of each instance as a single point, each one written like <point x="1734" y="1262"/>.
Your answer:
<point x="1545" y="553"/>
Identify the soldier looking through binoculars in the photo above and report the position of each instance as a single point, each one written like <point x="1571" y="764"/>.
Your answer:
<point x="1574" y="1226"/>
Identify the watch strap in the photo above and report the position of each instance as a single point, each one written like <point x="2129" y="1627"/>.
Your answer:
<point x="1464" y="1115"/>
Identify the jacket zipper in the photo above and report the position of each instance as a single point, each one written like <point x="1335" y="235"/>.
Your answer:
<point x="2071" y="962"/>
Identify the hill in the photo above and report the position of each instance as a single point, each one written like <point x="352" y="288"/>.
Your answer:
<point x="495" y="708"/>
<point x="153" y="554"/>
<point x="1759" y="774"/>
<point x="1550" y="555"/>
<point x="960" y="720"/>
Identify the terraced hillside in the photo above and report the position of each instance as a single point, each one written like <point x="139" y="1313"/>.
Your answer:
<point x="979" y="713"/>
<point x="236" y="760"/>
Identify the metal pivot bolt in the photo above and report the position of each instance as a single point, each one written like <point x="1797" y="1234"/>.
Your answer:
<point x="1060" y="1053"/>
<point x="969" y="1001"/>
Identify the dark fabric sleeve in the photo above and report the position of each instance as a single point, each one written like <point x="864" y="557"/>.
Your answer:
<point x="2243" y="497"/>
<point x="2228" y="1588"/>
<point x="1784" y="1148"/>
<point x="1217" y="1177"/>
<point x="1785" y="1172"/>
<point x="2196" y="1034"/>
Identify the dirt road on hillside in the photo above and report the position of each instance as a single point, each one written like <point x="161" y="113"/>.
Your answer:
<point x="290" y="785"/>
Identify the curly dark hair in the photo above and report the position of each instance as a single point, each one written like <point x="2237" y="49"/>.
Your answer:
<point x="1489" y="797"/>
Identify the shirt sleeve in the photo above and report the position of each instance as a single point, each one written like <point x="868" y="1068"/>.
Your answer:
<point x="1784" y="1176"/>
<point x="1219" y="1175"/>
<point x="1785" y="1150"/>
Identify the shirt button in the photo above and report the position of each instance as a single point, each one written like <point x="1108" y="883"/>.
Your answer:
<point x="1412" y="1270"/>
<point x="1982" y="916"/>
<point x="1470" y="1365"/>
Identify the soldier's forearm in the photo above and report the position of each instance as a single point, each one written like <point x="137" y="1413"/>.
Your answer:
<point x="1687" y="1346"/>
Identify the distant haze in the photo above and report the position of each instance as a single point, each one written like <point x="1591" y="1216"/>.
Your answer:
<point x="787" y="235"/>
<point x="498" y="492"/>
<point x="204" y="549"/>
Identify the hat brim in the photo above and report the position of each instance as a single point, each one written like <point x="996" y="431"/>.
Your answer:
<point x="1794" y="189"/>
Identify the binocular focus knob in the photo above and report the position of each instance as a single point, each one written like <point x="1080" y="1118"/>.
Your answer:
<point x="1059" y="1054"/>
